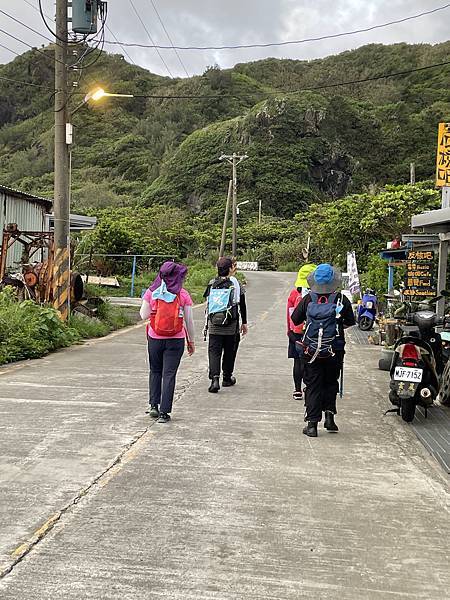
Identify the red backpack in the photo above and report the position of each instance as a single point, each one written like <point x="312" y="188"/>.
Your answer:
<point x="166" y="319"/>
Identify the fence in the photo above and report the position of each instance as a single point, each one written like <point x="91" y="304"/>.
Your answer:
<point x="134" y="257"/>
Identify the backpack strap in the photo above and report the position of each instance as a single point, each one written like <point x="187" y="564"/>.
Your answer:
<point x="333" y="298"/>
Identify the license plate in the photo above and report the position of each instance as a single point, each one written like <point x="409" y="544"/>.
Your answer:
<point x="408" y="374"/>
<point x="369" y="304"/>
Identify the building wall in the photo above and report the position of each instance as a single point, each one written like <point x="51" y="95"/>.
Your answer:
<point x="29" y="216"/>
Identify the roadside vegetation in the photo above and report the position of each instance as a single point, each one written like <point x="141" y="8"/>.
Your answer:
<point x="28" y="330"/>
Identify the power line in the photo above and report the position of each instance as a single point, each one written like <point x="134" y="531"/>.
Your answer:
<point x="169" y="38"/>
<point x="44" y="20"/>
<point x="150" y="38"/>
<point x="124" y="49"/>
<point x="25" y="25"/>
<point x="54" y="59"/>
<point x="290" y="42"/>
<point x="19" y="82"/>
<point x="9" y="50"/>
<point x="36" y="8"/>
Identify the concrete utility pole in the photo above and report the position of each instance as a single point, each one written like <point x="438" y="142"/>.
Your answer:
<point x="260" y="212"/>
<point x="225" y="220"/>
<point x="412" y="173"/>
<point x="61" y="272"/>
<point x="234" y="160"/>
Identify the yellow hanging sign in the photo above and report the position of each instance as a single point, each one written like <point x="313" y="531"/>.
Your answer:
<point x="443" y="156"/>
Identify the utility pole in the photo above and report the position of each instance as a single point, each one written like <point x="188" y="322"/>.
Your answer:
<point x="61" y="271"/>
<point x="225" y="220"/>
<point x="234" y="160"/>
<point x="412" y="173"/>
<point x="260" y="212"/>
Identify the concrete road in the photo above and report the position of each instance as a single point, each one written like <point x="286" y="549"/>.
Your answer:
<point x="229" y="501"/>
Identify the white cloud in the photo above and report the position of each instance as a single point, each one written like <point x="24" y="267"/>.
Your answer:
<point x="209" y="22"/>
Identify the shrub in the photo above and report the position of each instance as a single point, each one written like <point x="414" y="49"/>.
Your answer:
<point x="28" y="330"/>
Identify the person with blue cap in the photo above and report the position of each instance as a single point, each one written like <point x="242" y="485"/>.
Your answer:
<point x="326" y="313"/>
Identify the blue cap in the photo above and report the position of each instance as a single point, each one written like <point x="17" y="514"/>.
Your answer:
<point x="324" y="274"/>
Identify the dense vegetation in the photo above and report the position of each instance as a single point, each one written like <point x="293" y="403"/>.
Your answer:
<point x="303" y="147"/>
<point x="318" y="158"/>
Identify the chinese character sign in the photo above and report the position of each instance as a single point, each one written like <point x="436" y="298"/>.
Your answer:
<point x="353" y="278"/>
<point x="419" y="279"/>
<point x="443" y="156"/>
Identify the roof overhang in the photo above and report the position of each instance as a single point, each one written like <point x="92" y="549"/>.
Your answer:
<point x="77" y="222"/>
<point x="24" y="196"/>
<point x="434" y="221"/>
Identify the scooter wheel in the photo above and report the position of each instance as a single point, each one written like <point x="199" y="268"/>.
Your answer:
<point x="384" y="364"/>
<point x="408" y="409"/>
<point x="365" y="324"/>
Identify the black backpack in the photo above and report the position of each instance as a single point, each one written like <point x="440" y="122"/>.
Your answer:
<point x="229" y="313"/>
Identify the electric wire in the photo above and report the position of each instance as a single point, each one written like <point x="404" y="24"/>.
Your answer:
<point x="150" y="38"/>
<point x="289" y="42"/>
<point x="124" y="49"/>
<point x="169" y="38"/>
<point x="53" y="59"/>
<point x="44" y="20"/>
<point x="20" y="82"/>
<point x="9" y="50"/>
<point x="36" y="8"/>
<point x="3" y="12"/>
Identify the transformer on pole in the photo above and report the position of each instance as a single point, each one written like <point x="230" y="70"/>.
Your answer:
<point x="85" y="16"/>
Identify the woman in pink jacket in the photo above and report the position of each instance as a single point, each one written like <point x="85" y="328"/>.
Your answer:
<point x="169" y="307"/>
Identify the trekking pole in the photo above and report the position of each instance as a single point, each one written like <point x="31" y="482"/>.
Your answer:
<point x="205" y="328"/>
<point x="341" y="386"/>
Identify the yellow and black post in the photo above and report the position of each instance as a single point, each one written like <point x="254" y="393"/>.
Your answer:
<point x="61" y="266"/>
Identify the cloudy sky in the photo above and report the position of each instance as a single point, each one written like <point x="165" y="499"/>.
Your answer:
<point x="215" y="23"/>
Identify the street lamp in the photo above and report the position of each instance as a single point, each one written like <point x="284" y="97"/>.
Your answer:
<point x="240" y="204"/>
<point x="97" y="94"/>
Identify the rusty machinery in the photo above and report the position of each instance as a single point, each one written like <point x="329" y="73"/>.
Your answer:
<point x="36" y="278"/>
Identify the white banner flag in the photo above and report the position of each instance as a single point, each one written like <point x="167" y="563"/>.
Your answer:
<point x="353" y="278"/>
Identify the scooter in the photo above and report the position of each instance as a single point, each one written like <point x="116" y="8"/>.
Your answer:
<point x="416" y="365"/>
<point x="367" y="311"/>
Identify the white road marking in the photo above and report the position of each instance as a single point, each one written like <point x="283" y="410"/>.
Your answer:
<point x="61" y="402"/>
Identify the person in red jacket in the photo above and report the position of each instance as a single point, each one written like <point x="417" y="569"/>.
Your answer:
<point x="294" y="331"/>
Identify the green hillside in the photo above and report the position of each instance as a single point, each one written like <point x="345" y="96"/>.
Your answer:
<point x="303" y="146"/>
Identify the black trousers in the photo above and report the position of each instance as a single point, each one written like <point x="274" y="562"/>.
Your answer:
<point x="322" y="385"/>
<point x="298" y="373"/>
<point x="164" y="357"/>
<point x="222" y="348"/>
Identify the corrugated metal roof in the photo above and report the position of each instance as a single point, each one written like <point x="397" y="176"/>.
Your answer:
<point x="24" y="196"/>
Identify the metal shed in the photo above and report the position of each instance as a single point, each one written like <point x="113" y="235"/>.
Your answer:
<point x="28" y="211"/>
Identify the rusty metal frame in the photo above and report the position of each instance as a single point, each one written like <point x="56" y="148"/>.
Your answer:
<point x="32" y="242"/>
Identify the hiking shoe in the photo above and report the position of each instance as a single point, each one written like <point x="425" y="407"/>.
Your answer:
<point x="228" y="381"/>
<point x="163" y="418"/>
<point x="215" y="385"/>
<point x="297" y="395"/>
<point x="311" y="429"/>
<point x="154" y="412"/>
<point x="329" y="421"/>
